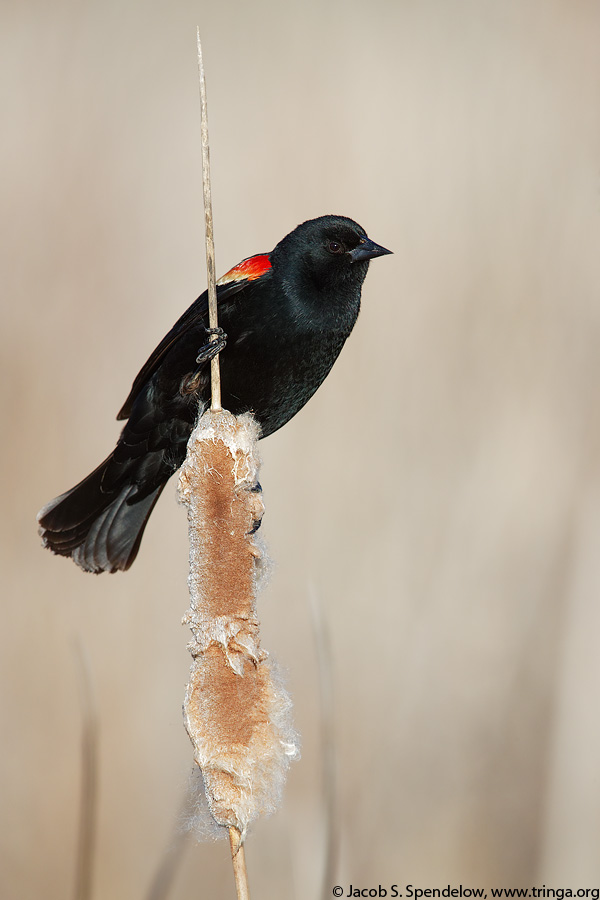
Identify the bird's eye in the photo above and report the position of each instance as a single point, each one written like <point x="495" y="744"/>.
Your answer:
<point x="336" y="247"/>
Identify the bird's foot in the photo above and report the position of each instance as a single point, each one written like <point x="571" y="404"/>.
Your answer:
<point x="209" y="350"/>
<point x="192" y="381"/>
<point x="258" y="507"/>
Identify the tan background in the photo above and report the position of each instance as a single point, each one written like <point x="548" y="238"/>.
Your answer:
<point x="441" y="492"/>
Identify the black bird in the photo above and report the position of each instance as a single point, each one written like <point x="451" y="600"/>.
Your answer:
<point x="284" y="316"/>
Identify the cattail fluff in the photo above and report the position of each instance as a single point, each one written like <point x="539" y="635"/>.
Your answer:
<point x="237" y="713"/>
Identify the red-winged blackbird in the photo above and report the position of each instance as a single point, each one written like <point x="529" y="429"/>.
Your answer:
<point x="285" y="316"/>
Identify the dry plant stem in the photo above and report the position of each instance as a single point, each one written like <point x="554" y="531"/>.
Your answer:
<point x="172" y="856"/>
<point x="236" y="714"/>
<point x="89" y="782"/>
<point x="215" y="374"/>
<point x="238" y="860"/>
<point x="328" y="750"/>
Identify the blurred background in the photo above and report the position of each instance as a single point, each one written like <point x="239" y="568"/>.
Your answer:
<point x="441" y="493"/>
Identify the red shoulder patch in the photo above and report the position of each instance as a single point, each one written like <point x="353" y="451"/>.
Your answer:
<point x="248" y="270"/>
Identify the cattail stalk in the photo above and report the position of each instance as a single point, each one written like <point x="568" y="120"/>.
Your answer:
<point x="211" y="274"/>
<point x="88" y="815"/>
<point x="236" y="711"/>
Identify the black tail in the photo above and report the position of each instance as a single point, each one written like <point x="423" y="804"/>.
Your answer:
<point x="101" y="530"/>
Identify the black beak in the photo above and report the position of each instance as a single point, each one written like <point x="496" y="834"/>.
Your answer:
<point x="367" y="249"/>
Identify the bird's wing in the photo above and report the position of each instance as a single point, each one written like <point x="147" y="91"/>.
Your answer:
<point x="234" y="281"/>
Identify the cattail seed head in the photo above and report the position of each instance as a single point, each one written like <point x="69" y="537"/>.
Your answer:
<point x="237" y="712"/>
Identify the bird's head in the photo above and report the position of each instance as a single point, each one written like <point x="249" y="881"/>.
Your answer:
<point x="328" y="251"/>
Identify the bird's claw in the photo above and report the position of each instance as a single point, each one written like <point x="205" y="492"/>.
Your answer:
<point x="259" y="508"/>
<point x="213" y="347"/>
